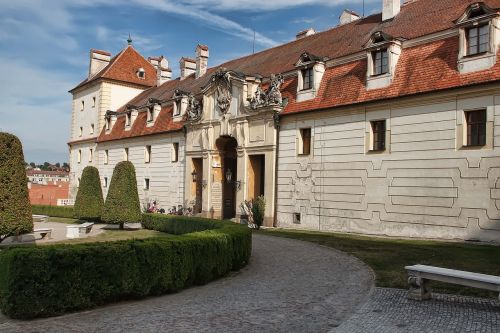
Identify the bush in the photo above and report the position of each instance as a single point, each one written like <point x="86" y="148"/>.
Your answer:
<point x="53" y="279"/>
<point x="15" y="208"/>
<point x="89" y="202"/>
<point x="54" y="211"/>
<point x="258" y="210"/>
<point x="122" y="203"/>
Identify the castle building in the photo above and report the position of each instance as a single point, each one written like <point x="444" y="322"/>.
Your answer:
<point x="384" y="125"/>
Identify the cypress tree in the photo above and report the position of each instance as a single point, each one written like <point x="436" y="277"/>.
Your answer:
<point x="89" y="201"/>
<point x="122" y="202"/>
<point x="15" y="208"/>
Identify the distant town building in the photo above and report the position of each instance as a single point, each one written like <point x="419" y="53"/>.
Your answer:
<point x="46" y="177"/>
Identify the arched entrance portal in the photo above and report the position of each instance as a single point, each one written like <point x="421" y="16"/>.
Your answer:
<point x="227" y="151"/>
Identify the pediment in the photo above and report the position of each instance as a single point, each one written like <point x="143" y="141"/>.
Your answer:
<point x="378" y="38"/>
<point x="307" y="58"/>
<point x="476" y="12"/>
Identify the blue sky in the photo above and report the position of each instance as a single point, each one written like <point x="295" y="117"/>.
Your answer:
<point x="44" y="47"/>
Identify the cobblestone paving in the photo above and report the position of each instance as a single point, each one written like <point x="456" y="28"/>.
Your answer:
<point x="289" y="286"/>
<point x="388" y="310"/>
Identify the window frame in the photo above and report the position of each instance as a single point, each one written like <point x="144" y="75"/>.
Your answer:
<point x="478" y="36"/>
<point x="106" y="156"/>
<point x="150" y="114"/>
<point x="125" y="154"/>
<point x="92" y="128"/>
<point x="128" y="119"/>
<point x="309" y="73"/>
<point x="305" y="136"/>
<point x="175" y="152"/>
<point x="178" y="106"/>
<point x="147" y="154"/>
<point x="147" y="184"/>
<point x="375" y="67"/>
<point x="480" y="139"/>
<point x="378" y="142"/>
<point x="91" y="155"/>
<point x="105" y="181"/>
<point x="79" y="156"/>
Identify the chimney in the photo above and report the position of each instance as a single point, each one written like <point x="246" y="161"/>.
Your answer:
<point x="188" y="67"/>
<point x="201" y="60"/>
<point x="391" y="8"/>
<point x="305" y="33"/>
<point x="163" y="73"/>
<point x="348" y="16"/>
<point x="98" y="60"/>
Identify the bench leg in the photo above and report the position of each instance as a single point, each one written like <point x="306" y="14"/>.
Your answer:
<point x="419" y="288"/>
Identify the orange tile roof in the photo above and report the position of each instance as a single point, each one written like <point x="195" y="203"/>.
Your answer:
<point x="123" y="67"/>
<point x="424" y="68"/>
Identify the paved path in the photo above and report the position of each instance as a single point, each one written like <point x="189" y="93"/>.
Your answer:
<point x="388" y="310"/>
<point x="289" y="286"/>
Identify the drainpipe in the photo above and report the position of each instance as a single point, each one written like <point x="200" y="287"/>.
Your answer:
<point x="277" y="125"/>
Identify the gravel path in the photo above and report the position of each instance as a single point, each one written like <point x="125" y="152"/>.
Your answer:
<point x="289" y="286"/>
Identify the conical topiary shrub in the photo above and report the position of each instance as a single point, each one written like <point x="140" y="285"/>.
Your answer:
<point x="15" y="207"/>
<point x="122" y="203"/>
<point x="89" y="201"/>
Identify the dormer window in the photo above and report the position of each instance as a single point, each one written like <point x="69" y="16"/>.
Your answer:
<point x="150" y="116"/>
<point x="108" y="123"/>
<point x="380" y="62"/>
<point x="478" y="39"/>
<point x="307" y="79"/>
<point x="141" y="73"/>
<point x="177" y="107"/>
<point x="128" y="119"/>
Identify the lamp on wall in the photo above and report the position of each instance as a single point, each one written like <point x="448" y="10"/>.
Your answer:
<point x="229" y="176"/>
<point x="194" y="174"/>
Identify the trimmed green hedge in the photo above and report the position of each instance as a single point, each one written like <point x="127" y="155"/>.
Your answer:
<point x="54" y="211"/>
<point x="89" y="202"/>
<point x="50" y="280"/>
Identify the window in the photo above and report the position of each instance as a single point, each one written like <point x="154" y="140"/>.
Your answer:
<point x="92" y="128"/>
<point x="105" y="182"/>
<point x="106" y="156"/>
<point x="478" y="39"/>
<point x="147" y="154"/>
<point x="146" y="183"/>
<point x="125" y="154"/>
<point x="476" y="127"/>
<point x="91" y="153"/>
<point x="296" y="218"/>
<point x="108" y="123"/>
<point x="82" y="106"/>
<point x="380" y="62"/>
<point x="150" y="113"/>
<point x="79" y="156"/>
<point x="378" y="135"/>
<point x="178" y="104"/>
<point x="128" y="119"/>
<point x="175" y="152"/>
<point x="81" y="131"/>
<point x="305" y="141"/>
<point x="307" y="78"/>
<point x="141" y="73"/>
<point x="93" y="102"/>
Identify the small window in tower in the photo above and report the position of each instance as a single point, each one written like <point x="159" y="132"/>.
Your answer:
<point x="93" y="102"/>
<point x="125" y="154"/>
<point x="175" y="152"/>
<point x="105" y="182"/>
<point x="82" y="106"/>
<point x="378" y="135"/>
<point x="81" y="131"/>
<point x="146" y="183"/>
<point x="305" y="141"/>
<point x="92" y="128"/>
<point x="380" y="62"/>
<point x="79" y="156"/>
<point x="147" y="154"/>
<point x="106" y="156"/>
<point x="476" y="128"/>
<point x="141" y="73"/>
<point x="307" y="78"/>
<point x="91" y="154"/>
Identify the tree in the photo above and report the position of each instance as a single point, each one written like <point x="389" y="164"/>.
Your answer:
<point x="89" y="202"/>
<point x="33" y="165"/>
<point x="258" y="210"/>
<point x="15" y="207"/>
<point x="58" y="165"/>
<point x="122" y="203"/>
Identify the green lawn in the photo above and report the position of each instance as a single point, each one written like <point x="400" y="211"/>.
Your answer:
<point x="388" y="257"/>
<point x="115" y="235"/>
<point x="64" y="220"/>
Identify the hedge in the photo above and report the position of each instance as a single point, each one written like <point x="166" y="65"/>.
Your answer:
<point x="15" y="210"/>
<point x="53" y="211"/>
<point x="89" y="201"/>
<point x="50" y="280"/>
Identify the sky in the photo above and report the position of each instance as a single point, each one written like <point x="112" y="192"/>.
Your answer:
<point x="44" y="48"/>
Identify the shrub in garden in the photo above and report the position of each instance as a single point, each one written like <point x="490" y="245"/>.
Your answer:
<point x="122" y="202"/>
<point x="89" y="201"/>
<point x="54" y="211"/>
<point x="258" y="209"/>
<point x="15" y="208"/>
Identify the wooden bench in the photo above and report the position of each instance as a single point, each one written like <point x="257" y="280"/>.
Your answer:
<point x="47" y="232"/>
<point x="73" y="231"/>
<point x="419" y="276"/>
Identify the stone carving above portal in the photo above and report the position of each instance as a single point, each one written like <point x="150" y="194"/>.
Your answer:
<point x="221" y="80"/>
<point x="270" y="97"/>
<point x="194" y="109"/>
